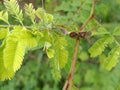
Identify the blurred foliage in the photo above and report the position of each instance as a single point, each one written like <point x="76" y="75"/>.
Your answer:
<point x="89" y="74"/>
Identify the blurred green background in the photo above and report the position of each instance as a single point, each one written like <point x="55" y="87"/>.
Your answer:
<point x="35" y="73"/>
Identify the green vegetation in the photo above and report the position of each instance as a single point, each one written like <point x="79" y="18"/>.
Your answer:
<point x="37" y="45"/>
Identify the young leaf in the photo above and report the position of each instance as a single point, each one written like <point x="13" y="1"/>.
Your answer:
<point x="100" y="31"/>
<point x="60" y="58"/>
<point x="25" y="36"/>
<point x="13" y="8"/>
<point x="56" y="65"/>
<point x="40" y="13"/>
<point x="99" y="46"/>
<point x="30" y="11"/>
<point x="4" y="73"/>
<point x="13" y="55"/>
<point x="28" y="39"/>
<point x="116" y="31"/>
<point x="48" y="18"/>
<point x="17" y="41"/>
<point x="47" y="47"/>
<point x="3" y="33"/>
<point x="60" y="51"/>
<point x="44" y="17"/>
<point x="50" y="53"/>
<point x="4" y="16"/>
<point x="112" y="58"/>
<point x="55" y="69"/>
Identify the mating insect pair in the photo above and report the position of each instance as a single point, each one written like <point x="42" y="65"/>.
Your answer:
<point x="77" y="34"/>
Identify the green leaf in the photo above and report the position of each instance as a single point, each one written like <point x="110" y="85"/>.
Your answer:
<point x="100" y="31"/>
<point x="116" y="31"/>
<point x="45" y="18"/>
<point x="4" y="16"/>
<point x="40" y="12"/>
<point x="99" y="46"/>
<point x="55" y="69"/>
<point x="60" y="51"/>
<point x="17" y="41"/>
<point x="13" y="54"/>
<point x="3" y="33"/>
<point x="47" y="47"/>
<point x="13" y="8"/>
<point x="48" y="18"/>
<point x="102" y="58"/>
<point x="50" y="53"/>
<point x="4" y="73"/>
<point x="60" y="58"/>
<point x="30" y="11"/>
<point x="112" y="58"/>
<point x="25" y="36"/>
<point x="28" y="39"/>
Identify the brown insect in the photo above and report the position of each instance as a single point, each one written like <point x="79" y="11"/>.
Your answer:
<point x="77" y="34"/>
<point x="73" y="34"/>
<point x="82" y="34"/>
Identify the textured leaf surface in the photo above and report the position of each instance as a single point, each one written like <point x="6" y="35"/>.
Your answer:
<point x="28" y="39"/>
<point x="25" y="36"/>
<point x="4" y="16"/>
<point x="100" y="31"/>
<point x="13" y="8"/>
<point x="3" y="33"/>
<point x="112" y="58"/>
<point x="50" y="53"/>
<point x="60" y="57"/>
<point x="116" y="31"/>
<point x="4" y="73"/>
<point x="13" y="55"/>
<point x="56" y="72"/>
<point x="45" y="17"/>
<point x="30" y="11"/>
<point x="16" y="43"/>
<point x="61" y="52"/>
<point x="99" y="46"/>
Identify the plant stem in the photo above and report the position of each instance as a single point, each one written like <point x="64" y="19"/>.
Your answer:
<point x="11" y="26"/>
<point x="67" y="85"/>
<point x="43" y="4"/>
<point x="71" y="73"/>
<point x="90" y="16"/>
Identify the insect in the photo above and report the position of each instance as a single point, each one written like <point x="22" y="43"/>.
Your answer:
<point x="77" y="34"/>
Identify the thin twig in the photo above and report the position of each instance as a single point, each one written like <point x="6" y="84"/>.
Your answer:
<point x="11" y="26"/>
<point x="71" y="73"/>
<point x="43" y="4"/>
<point x="67" y="85"/>
<point x="28" y="27"/>
<point x="90" y="16"/>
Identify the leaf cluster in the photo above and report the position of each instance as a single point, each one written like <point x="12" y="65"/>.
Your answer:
<point x="17" y="40"/>
<point x="107" y="39"/>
